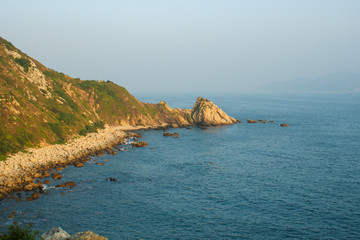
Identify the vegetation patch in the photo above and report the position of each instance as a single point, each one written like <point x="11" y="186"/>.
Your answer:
<point x="24" y="62"/>
<point x="55" y="75"/>
<point x="8" y="45"/>
<point x="10" y="143"/>
<point x="60" y="91"/>
<point x="58" y="132"/>
<point x="17" y="233"/>
<point x="188" y="117"/>
<point x="92" y="128"/>
<point x="67" y="118"/>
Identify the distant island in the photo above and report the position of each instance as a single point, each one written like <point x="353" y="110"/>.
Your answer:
<point x="341" y="82"/>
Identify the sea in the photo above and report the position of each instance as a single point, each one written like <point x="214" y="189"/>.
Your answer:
<point x="244" y="181"/>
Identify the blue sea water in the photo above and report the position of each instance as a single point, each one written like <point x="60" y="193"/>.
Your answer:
<point x="245" y="181"/>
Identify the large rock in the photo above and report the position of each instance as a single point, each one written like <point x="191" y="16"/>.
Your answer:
<point x="55" y="234"/>
<point x="206" y="113"/>
<point x="86" y="236"/>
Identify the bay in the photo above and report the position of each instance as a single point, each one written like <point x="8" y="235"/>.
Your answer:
<point x="245" y="181"/>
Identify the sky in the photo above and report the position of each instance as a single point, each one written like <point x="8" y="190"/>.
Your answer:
<point x="155" y="46"/>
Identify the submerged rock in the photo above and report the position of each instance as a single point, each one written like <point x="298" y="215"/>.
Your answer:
<point x="35" y="195"/>
<point x="206" y="113"/>
<point x="251" y="121"/>
<point x="166" y="134"/>
<point x="56" y="176"/>
<point x="139" y="144"/>
<point x="78" y="164"/>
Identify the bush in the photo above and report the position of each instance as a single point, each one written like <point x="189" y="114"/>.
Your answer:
<point x="17" y="233"/>
<point x="58" y="131"/>
<point x="92" y="128"/>
<point x="24" y="62"/>
<point x="67" y="118"/>
<point x="9" y="45"/>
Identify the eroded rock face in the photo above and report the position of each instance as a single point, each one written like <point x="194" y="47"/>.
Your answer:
<point x="206" y="113"/>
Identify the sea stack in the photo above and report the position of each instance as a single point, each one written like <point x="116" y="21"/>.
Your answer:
<point x="206" y="113"/>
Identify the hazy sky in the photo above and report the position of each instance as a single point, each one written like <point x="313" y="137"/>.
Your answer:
<point x="187" y="45"/>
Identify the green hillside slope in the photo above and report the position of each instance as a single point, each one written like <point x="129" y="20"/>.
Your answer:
<point x="40" y="106"/>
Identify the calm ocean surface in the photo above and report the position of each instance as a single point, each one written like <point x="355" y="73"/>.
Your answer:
<point x="265" y="181"/>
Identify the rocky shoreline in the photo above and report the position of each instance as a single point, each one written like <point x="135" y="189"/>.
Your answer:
<point x="59" y="234"/>
<point x="24" y="170"/>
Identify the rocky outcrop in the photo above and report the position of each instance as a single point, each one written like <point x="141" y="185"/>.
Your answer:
<point x="166" y="134"/>
<point x="88" y="235"/>
<point x="206" y="113"/>
<point x="60" y="234"/>
<point x="55" y="234"/>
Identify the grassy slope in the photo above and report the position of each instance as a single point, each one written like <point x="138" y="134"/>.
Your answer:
<point x="31" y="115"/>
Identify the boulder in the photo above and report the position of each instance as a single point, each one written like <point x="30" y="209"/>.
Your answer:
<point x="139" y="144"/>
<point x="251" y="121"/>
<point x="70" y="184"/>
<point x="56" y="176"/>
<point x="28" y="179"/>
<point x="37" y="175"/>
<point x="28" y="187"/>
<point x="88" y="235"/>
<point x="206" y="113"/>
<point x="55" y="234"/>
<point x="10" y="183"/>
<point x="78" y="165"/>
<point x="166" y="134"/>
<point x="3" y="192"/>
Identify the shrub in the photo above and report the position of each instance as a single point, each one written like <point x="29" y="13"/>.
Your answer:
<point x="58" y="131"/>
<point x="9" y="45"/>
<point x="67" y="118"/>
<point x="24" y="62"/>
<point x="92" y="128"/>
<point x="17" y="233"/>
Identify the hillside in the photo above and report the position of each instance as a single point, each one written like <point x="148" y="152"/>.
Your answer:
<point x="39" y="106"/>
<point x="341" y="82"/>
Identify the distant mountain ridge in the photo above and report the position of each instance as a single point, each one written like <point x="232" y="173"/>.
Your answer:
<point x="345" y="82"/>
<point x="39" y="106"/>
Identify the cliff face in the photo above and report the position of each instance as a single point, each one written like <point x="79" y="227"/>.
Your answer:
<point x="39" y="106"/>
<point x="206" y="113"/>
